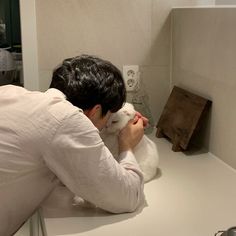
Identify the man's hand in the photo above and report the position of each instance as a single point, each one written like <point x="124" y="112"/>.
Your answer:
<point x="131" y="134"/>
<point x="145" y="120"/>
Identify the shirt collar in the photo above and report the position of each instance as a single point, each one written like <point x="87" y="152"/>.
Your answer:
<point x="56" y="93"/>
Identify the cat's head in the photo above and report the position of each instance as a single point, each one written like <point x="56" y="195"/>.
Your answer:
<point x="119" y="119"/>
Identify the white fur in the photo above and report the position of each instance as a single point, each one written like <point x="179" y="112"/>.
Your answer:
<point x="145" y="152"/>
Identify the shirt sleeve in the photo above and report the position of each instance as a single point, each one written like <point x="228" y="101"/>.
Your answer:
<point x="79" y="158"/>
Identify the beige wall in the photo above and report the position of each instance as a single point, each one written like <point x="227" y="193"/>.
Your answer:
<point x="122" y="31"/>
<point x="204" y="62"/>
<point x="29" y="42"/>
<point x="225" y="2"/>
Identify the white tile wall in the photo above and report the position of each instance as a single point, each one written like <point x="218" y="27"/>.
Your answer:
<point x="124" y="32"/>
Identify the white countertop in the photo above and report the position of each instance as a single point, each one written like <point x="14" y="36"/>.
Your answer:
<point x="194" y="195"/>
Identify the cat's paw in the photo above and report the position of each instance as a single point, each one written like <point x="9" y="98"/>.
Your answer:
<point x="79" y="201"/>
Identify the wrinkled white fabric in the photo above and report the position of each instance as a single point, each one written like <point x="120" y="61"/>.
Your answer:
<point x="43" y="139"/>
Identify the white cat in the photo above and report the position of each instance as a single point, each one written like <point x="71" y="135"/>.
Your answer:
<point x="145" y="152"/>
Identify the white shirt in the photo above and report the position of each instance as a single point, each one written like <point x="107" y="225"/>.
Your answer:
<point x="44" y="139"/>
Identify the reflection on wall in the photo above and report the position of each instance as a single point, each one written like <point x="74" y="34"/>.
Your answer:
<point x="10" y="43"/>
<point x="10" y="34"/>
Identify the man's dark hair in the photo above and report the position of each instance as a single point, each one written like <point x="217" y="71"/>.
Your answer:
<point x="88" y="80"/>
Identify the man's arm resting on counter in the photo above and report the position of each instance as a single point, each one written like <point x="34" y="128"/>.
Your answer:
<point x="82" y="162"/>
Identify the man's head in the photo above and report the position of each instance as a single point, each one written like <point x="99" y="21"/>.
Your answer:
<point x="89" y="81"/>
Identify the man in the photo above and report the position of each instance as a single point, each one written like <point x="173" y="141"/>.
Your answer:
<point x="52" y="136"/>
